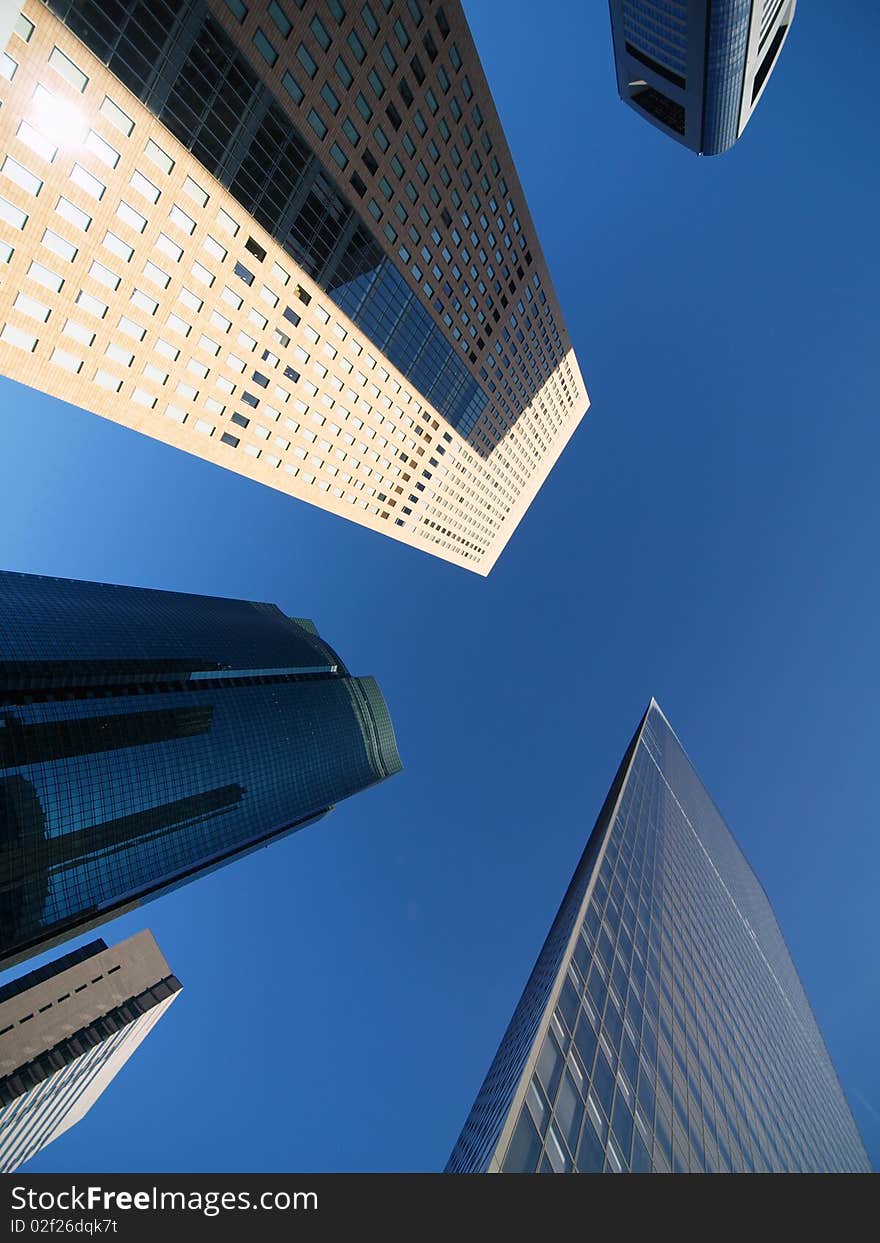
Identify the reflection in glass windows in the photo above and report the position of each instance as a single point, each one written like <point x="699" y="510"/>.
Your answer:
<point x="146" y="736"/>
<point x="177" y="58"/>
<point x="664" y="1027"/>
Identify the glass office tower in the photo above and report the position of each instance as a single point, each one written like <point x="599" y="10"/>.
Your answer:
<point x="696" y="68"/>
<point x="148" y="735"/>
<point x="67" y="1029"/>
<point x="664" y="1026"/>
<point x="286" y="236"/>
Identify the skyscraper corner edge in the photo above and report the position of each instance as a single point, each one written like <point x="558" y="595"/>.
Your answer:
<point x="697" y="69"/>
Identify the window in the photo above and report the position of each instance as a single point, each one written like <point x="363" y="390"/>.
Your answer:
<point x="144" y="302"/>
<point x="37" y="142"/>
<point x="154" y="273"/>
<point x="22" y="340"/>
<point x="280" y="18"/>
<point x="169" y="247"/>
<point x="232" y="299"/>
<point x="131" y="328"/>
<point x="70" y="362"/>
<point x="264" y="47"/>
<point x="22" y="176"/>
<point x="214" y="249"/>
<point x="64" y="65"/>
<point x="319" y="30"/>
<point x="370" y="20"/>
<point x="192" y="301"/>
<point x="343" y="72"/>
<point x="33" y="308"/>
<point x="118" y="247"/>
<point x="209" y="345"/>
<point x="157" y="156"/>
<point x="132" y="218"/>
<point x="73" y="215"/>
<point x="293" y="88"/>
<point x="144" y="186"/>
<point x="357" y="48"/>
<point x="114" y="114"/>
<point x="98" y="147"/>
<point x="106" y="379"/>
<point x="305" y="58"/>
<point x="118" y="355"/>
<point x="176" y="324"/>
<point x="350" y="132"/>
<point x="330" y="97"/>
<point x="242" y="272"/>
<point x="195" y="192"/>
<point x="23" y="27"/>
<point x="226" y="223"/>
<point x="179" y="217"/>
<point x="317" y="124"/>
<point x="254" y="248"/>
<point x="232" y="441"/>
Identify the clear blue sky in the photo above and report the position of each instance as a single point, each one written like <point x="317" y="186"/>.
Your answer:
<point x="709" y="537"/>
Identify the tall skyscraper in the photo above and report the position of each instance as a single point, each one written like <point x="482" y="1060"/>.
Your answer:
<point x="66" y="1030"/>
<point x="664" y="1026"/>
<point x="287" y="237"/>
<point x="697" y="68"/>
<point x="147" y="736"/>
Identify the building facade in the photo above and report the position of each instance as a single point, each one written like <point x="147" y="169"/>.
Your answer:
<point x="664" y="1026"/>
<point x="147" y="736"/>
<point x="696" y="69"/>
<point x="66" y="1030"/>
<point x="287" y="237"/>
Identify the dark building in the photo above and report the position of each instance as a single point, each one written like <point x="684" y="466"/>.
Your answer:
<point x="697" y="68"/>
<point x="146" y="736"/>
<point x="664" y="1026"/>
<point x="67" y="1029"/>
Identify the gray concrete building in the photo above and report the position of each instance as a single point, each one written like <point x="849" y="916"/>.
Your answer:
<point x="67" y="1029"/>
<point x="696" y="69"/>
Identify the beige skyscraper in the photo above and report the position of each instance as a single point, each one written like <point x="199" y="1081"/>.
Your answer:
<point x="289" y="238"/>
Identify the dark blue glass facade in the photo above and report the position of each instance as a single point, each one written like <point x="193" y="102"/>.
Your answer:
<point x="180" y="62"/>
<point x="665" y="1027"/>
<point x="729" y="22"/>
<point x="659" y="29"/>
<point x="146" y="736"/>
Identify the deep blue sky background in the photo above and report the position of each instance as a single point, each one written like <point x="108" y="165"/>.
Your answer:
<point x="709" y="537"/>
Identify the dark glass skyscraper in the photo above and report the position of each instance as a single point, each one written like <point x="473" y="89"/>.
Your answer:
<point x="664" y="1026"/>
<point x="697" y="68"/>
<point x="146" y="736"/>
